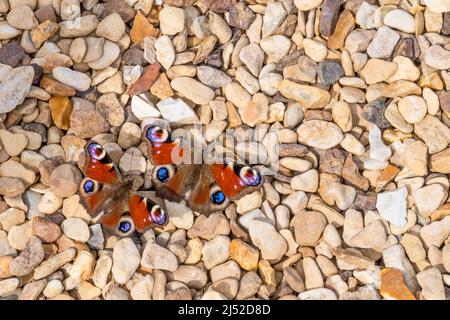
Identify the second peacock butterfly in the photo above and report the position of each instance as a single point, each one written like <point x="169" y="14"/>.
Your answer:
<point x="206" y="187"/>
<point x="105" y="191"/>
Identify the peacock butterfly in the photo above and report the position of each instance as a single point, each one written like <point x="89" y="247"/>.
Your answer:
<point x="206" y="187"/>
<point x="104" y="190"/>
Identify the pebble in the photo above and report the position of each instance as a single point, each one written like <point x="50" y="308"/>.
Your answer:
<point x="264" y="236"/>
<point x="378" y="150"/>
<point x="248" y="285"/>
<point x="433" y="132"/>
<point x="412" y="108"/>
<point x="245" y="255"/>
<point x="377" y="70"/>
<point x="76" y="229"/>
<point x="253" y="57"/>
<point x="64" y="180"/>
<point x="53" y="263"/>
<point x="308" y="227"/>
<point x="7" y="31"/>
<point x="78" y="27"/>
<point x="329" y="72"/>
<point x="165" y="51"/>
<point x="432" y="285"/>
<point x="212" y="77"/>
<point x="15" y="87"/>
<point x="318" y="294"/>
<point x="216" y="251"/>
<point x="192" y="276"/>
<point x="112" y="27"/>
<point x="11" y="54"/>
<point x="392" y="206"/>
<point x="172" y="20"/>
<point x="315" y="49"/>
<point x="209" y="227"/>
<point x="437" y="57"/>
<point x="126" y="260"/>
<point x="400" y="20"/>
<point x="157" y="257"/>
<point x="193" y="90"/>
<point x="276" y="47"/>
<point x="45" y="229"/>
<point x="307" y="96"/>
<point x="22" y="17"/>
<point x="8" y="286"/>
<point x="319" y="134"/>
<point x="177" y="111"/>
<point x="111" y="52"/>
<point x="77" y="80"/>
<point x="28" y="259"/>
<point x="437" y="6"/>
<point x="13" y="143"/>
<point x="394" y="257"/>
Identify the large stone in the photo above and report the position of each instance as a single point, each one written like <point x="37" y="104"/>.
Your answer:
<point x="15" y="87"/>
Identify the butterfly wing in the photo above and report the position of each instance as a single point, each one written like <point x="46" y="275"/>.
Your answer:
<point x="235" y="180"/>
<point x="146" y="212"/>
<point x="171" y="179"/>
<point x="98" y="190"/>
<point x="98" y="165"/>
<point x="206" y="196"/>
<point x="161" y="148"/>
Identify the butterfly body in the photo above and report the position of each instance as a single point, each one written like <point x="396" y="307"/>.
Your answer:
<point x="104" y="191"/>
<point x="206" y="187"/>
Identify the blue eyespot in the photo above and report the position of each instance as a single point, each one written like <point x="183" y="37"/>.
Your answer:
<point x="218" y="197"/>
<point x="89" y="186"/>
<point x="124" y="226"/>
<point x="158" y="215"/>
<point x="162" y="174"/>
<point x="157" y="134"/>
<point x="96" y="151"/>
<point x="250" y="177"/>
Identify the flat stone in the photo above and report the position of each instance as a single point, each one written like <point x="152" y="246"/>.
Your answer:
<point x="78" y="27"/>
<point x="15" y="87"/>
<point x="433" y="132"/>
<point x="126" y="260"/>
<point x="112" y="27"/>
<point x="193" y="90"/>
<point x="11" y="54"/>
<point x="437" y="57"/>
<point x="309" y="97"/>
<point x="77" y="80"/>
<point x="329" y="71"/>
<point x="177" y="111"/>
<point x="392" y="206"/>
<point x="157" y="257"/>
<point x="400" y="20"/>
<point x="329" y="16"/>
<point x="319" y="134"/>
<point x="264" y="236"/>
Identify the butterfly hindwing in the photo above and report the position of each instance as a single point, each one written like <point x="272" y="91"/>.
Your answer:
<point x="206" y="196"/>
